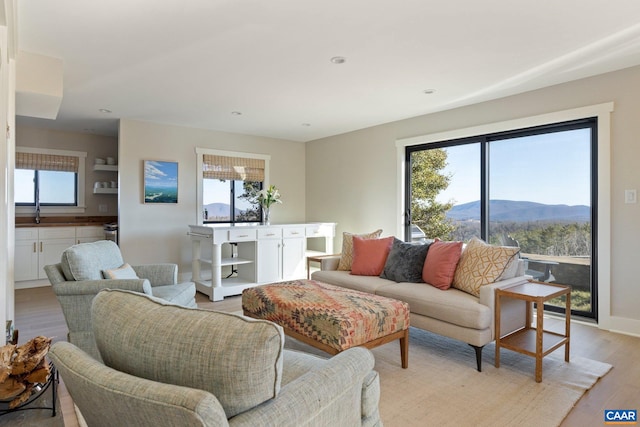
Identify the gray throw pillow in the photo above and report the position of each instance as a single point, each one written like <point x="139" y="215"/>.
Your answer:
<point x="405" y="262"/>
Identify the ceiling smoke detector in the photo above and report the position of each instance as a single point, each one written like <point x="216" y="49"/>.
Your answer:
<point x="338" y="60"/>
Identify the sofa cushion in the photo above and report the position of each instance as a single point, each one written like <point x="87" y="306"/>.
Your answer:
<point x="451" y="305"/>
<point x="358" y="283"/>
<point x="370" y="255"/>
<point x="481" y="264"/>
<point x="405" y="262"/>
<point x="86" y="261"/>
<point x="346" y="257"/>
<point x="237" y="359"/>
<point x="440" y="264"/>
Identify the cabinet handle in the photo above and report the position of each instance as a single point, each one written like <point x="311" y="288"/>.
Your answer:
<point x="34" y="247"/>
<point x="243" y="235"/>
<point x="40" y="246"/>
<point x="271" y="234"/>
<point x="295" y="233"/>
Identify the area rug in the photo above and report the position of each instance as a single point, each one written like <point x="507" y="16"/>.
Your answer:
<point x="442" y="387"/>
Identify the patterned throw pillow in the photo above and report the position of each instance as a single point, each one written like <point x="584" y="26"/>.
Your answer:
<point x="346" y="258"/>
<point x="481" y="264"/>
<point x="123" y="272"/>
<point x="405" y="262"/>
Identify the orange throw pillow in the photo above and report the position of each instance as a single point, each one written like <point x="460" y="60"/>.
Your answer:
<point x="440" y="264"/>
<point x="370" y="255"/>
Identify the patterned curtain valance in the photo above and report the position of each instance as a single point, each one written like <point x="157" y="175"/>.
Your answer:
<point x="236" y="168"/>
<point x="47" y="162"/>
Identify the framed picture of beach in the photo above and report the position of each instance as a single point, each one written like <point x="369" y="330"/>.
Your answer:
<point x="160" y="182"/>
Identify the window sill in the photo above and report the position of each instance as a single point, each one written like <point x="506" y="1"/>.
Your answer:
<point x="45" y="210"/>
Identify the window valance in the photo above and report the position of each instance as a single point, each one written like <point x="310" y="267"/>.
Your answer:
<point x="233" y="168"/>
<point x="47" y="162"/>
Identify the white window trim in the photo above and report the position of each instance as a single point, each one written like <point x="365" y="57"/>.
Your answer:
<point x="82" y="156"/>
<point x="603" y="113"/>
<point x="200" y="152"/>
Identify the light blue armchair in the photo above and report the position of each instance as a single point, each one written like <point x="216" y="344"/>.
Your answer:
<point x="166" y="365"/>
<point x="78" y="278"/>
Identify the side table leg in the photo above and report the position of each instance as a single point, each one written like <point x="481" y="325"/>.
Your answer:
<point x="567" y="327"/>
<point x="497" y="329"/>
<point x="539" y="332"/>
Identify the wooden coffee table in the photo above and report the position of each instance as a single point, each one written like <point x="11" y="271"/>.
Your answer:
<point x="535" y="342"/>
<point x="330" y="318"/>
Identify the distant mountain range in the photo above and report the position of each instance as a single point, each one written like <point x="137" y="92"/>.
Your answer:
<point x="509" y="210"/>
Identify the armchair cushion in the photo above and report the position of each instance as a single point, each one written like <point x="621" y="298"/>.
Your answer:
<point x="237" y="359"/>
<point x="87" y="260"/>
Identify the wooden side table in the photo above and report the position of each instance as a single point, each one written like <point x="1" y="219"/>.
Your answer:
<point x="534" y="342"/>
<point x="316" y="258"/>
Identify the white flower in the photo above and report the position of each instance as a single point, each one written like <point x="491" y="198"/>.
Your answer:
<point x="269" y="196"/>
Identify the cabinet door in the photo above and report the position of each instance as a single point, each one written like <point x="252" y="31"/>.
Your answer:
<point x="26" y="260"/>
<point x="268" y="262"/>
<point x="293" y="258"/>
<point x="51" y="252"/>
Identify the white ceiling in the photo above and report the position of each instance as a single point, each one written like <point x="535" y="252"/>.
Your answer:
<point x="194" y="62"/>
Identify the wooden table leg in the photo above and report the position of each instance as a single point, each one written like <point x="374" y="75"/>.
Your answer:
<point x="567" y="326"/>
<point x="404" y="349"/>
<point x="539" y="331"/>
<point x="497" y="330"/>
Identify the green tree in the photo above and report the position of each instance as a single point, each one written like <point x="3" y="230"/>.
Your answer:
<point x="427" y="181"/>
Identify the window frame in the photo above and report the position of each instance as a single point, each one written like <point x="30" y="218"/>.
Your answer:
<point x="80" y="207"/>
<point x="603" y="113"/>
<point x="200" y="152"/>
<point x="484" y="141"/>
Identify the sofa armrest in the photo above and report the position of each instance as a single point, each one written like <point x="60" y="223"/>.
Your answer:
<point x="92" y="287"/>
<point x="327" y="396"/>
<point x="104" y="395"/>
<point x="330" y="262"/>
<point x="158" y="274"/>
<point x="513" y="312"/>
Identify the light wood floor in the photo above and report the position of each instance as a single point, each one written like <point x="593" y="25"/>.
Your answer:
<point x="38" y="313"/>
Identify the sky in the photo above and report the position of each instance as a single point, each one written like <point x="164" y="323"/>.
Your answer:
<point x="550" y="169"/>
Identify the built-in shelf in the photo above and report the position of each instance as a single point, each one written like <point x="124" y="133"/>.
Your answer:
<point x="105" y="191"/>
<point x="106" y="168"/>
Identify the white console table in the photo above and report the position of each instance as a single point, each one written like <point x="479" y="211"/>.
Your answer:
<point x="252" y="254"/>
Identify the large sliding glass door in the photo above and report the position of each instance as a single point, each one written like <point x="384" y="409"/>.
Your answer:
<point x="532" y="188"/>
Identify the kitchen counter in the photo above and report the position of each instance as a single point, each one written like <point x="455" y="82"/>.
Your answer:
<point x="65" y="221"/>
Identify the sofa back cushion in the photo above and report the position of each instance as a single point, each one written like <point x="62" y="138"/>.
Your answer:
<point x="237" y="359"/>
<point x="86" y="261"/>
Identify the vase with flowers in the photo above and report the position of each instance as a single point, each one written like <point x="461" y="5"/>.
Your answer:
<point x="266" y="198"/>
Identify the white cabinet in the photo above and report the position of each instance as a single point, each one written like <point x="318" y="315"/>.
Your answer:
<point x="260" y="254"/>
<point x="26" y="254"/>
<point x="39" y="246"/>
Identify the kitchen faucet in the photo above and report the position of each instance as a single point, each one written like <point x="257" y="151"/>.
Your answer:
<point x="37" y="206"/>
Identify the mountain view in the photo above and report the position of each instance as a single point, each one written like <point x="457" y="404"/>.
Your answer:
<point x="519" y="211"/>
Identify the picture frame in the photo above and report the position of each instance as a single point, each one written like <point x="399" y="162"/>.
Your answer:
<point x="160" y="182"/>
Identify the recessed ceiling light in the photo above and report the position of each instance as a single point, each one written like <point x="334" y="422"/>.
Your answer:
<point x="306" y="124"/>
<point x="104" y="110"/>
<point x="429" y="91"/>
<point x="236" y="113"/>
<point x="338" y="60"/>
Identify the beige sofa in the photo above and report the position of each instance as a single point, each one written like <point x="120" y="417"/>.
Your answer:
<point x="451" y="313"/>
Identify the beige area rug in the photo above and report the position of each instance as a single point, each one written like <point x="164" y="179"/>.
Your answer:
<point x="441" y="387"/>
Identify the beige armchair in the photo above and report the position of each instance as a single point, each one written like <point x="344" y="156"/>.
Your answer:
<point x="166" y="365"/>
<point x="80" y="276"/>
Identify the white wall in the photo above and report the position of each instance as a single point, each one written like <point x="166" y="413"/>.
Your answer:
<point x="158" y="232"/>
<point x="351" y="178"/>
